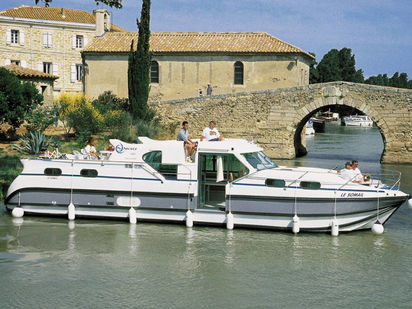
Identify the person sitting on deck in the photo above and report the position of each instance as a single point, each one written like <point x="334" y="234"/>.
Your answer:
<point x="90" y="150"/>
<point x="184" y="136"/>
<point x="358" y="175"/>
<point x="211" y="134"/>
<point x="348" y="173"/>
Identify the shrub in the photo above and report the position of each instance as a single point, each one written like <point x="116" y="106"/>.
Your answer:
<point x="147" y="128"/>
<point x="118" y="123"/>
<point x="40" y="118"/>
<point x="16" y="98"/>
<point x="33" y="143"/>
<point x="109" y="101"/>
<point x="78" y="113"/>
<point x="10" y="167"/>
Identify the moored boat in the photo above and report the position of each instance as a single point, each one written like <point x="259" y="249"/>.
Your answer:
<point x="357" y="121"/>
<point x="229" y="183"/>
<point x="309" y="130"/>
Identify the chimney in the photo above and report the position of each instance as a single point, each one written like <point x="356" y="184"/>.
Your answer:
<point x="62" y="13"/>
<point x="102" y="21"/>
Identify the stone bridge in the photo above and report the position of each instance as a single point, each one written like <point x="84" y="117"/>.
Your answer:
<point x="275" y="118"/>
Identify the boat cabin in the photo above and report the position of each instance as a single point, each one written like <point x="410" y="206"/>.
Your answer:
<point x="213" y="165"/>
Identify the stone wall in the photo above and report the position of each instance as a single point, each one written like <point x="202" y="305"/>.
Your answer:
<point x="184" y="75"/>
<point x="275" y="118"/>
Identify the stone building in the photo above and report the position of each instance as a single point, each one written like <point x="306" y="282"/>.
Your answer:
<point x="185" y="63"/>
<point x="44" y="82"/>
<point x="50" y="40"/>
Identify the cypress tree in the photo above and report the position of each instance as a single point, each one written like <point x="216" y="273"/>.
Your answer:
<point x="139" y="68"/>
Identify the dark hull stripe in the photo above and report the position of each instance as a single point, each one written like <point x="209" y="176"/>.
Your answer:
<point x="111" y="177"/>
<point x="321" y="189"/>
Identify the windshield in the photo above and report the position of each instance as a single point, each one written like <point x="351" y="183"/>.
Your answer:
<point x="259" y="160"/>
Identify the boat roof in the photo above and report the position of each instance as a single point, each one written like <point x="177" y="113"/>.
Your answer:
<point x="173" y="150"/>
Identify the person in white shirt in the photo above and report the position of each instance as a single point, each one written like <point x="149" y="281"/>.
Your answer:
<point x="211" y="134"/>
<point x="348" y="173"/>
<point x="90" y="149"/>
<point x="359" y="176"/>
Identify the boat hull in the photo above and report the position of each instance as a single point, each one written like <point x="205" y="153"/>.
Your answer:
<point x="315" y="215"/>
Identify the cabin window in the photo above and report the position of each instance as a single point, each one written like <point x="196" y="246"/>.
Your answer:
<point x="259" y="160"/>
<point x="154" y="159"/>
<point x="50" y="171"/>
<point x="88" y="173"/>
<point x="154" y="72"/>
<point x="312" y="185"/>
<point x="278" y="183"/>
<point x="238" y="73"/>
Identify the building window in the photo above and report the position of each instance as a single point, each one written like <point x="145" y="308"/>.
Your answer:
<point x="154" y="72"/>
<point x="79" y="72"/>
<point x="79" y="41"/>
<point x="15" y="62"/>
<point x="238" y="73"/>
<point x="14" y="36"/>
<point x="47" y="67"/>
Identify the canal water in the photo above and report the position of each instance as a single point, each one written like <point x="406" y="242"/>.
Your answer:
<point x="47" y="263"/>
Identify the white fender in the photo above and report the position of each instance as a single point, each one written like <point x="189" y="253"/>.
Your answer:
<point x="132" y="216"/>
<point x="335" y="228"/>
<point x="295" y="224"/>
<point x="377" y="228"/>
<point x="410" y="203"/>
<point x="17" y="212"/>
<point x="71" y="211"/>
<point x="189" y="218"/>
<point x="229" y="221"/>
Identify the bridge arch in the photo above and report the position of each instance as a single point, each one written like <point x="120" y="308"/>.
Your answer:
<point x="274" y="118"/>
<point x="358" y="107"/>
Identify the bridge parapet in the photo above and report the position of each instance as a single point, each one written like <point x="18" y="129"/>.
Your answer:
<point x="274" y="118"/>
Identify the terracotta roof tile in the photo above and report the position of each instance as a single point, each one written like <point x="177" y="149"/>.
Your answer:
<point x="28" y="73"/>
<point x="196" y="42"/>
<point x="54" y="14"/>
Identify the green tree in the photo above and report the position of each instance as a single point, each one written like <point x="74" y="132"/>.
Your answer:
<point x="394" y="80"/>
<point x="139" y="68"/>
<point x="328" y="67"/>
<point x="112" y="3"/>
<point x="339" y="65"/>
<point x="16" y="98"/>
<point x="403" y="80"/>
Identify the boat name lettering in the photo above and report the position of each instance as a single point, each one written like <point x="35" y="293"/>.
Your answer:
<point x="351" y="195"/>
<point x="120" y="148"/>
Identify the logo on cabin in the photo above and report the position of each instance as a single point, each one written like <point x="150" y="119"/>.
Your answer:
<point x="119" y="148"/>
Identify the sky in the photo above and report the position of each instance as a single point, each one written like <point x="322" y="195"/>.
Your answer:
<point x="379" y="32"/>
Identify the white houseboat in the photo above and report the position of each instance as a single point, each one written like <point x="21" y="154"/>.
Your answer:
<point x="357" y="121"/>
<point x="230" y="183"/>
